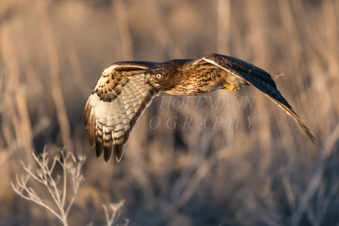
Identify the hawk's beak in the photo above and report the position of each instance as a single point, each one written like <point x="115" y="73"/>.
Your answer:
<point x="146" y="79"/>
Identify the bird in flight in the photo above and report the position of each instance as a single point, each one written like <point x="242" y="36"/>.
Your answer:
<point x="125" y="89"/>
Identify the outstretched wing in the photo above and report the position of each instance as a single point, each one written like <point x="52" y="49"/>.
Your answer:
<point x="115" y="104"/>
<point x="257" y="78"/>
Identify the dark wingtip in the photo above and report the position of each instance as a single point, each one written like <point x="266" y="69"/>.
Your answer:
<point x="99" y="149"/>
<point x="107" y="153"/>
<point x="289" y="110"/>
<point x="107" y="148"/>
<point x="308" y="132"/>
<point x="119" y="151"/>
<point x="314" y="140"/>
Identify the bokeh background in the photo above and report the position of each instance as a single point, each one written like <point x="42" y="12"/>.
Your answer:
<point x="52" y="52"/>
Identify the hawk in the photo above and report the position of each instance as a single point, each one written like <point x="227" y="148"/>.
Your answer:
<point x="125" y="89"/>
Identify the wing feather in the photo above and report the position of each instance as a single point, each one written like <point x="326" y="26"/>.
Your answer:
<point x="91" y="129"/>
<point x="116" y="102"/>
<point x="99" y="141"/>
<point x="259" y="79"/>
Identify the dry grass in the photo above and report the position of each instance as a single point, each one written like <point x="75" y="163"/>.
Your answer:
<point x="201" y="172"/>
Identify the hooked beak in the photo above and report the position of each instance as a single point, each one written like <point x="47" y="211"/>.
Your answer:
<point x="146" y="81"/>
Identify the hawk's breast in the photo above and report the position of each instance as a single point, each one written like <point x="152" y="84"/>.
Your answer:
<point x="197" y="82"/>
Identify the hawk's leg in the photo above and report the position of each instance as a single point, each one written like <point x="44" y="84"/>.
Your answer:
<point x="231" y="87"/>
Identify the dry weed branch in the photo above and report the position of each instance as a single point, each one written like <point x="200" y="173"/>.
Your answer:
<point x="116" y="212"/>
<point x="45" y="176"/>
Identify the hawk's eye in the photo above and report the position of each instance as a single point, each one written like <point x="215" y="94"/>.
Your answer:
<point x="158" y="76"/>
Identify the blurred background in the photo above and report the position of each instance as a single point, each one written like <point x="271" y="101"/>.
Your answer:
<point x="205" y="173"/>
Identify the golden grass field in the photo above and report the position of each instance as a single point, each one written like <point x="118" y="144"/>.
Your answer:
<point x="210" y="171"/>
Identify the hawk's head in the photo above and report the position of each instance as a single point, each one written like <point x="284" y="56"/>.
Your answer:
<point x="164" y="76"/>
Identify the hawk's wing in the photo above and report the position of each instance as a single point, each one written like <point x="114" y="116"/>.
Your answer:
<point x="116" y="102"/>
<point x="256" y="77"/>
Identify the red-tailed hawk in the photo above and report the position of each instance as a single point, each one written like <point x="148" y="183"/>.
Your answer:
<point x="125" y="89"/>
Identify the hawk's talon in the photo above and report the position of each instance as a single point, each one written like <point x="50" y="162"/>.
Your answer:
<point x="231" y="87"/>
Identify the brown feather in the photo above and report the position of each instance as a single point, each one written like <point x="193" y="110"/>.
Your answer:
<point x="99" y="148"/>
<point x="108" y="147"/>
<point x="119" y="152"/>
<point x="297" y="119"/>
<point x="87" y="112"/>
<point x="91" y="129"/>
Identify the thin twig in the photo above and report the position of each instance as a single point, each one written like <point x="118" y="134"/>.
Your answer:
<point x="44" y="175"/>
<point x="116" y="212"/>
